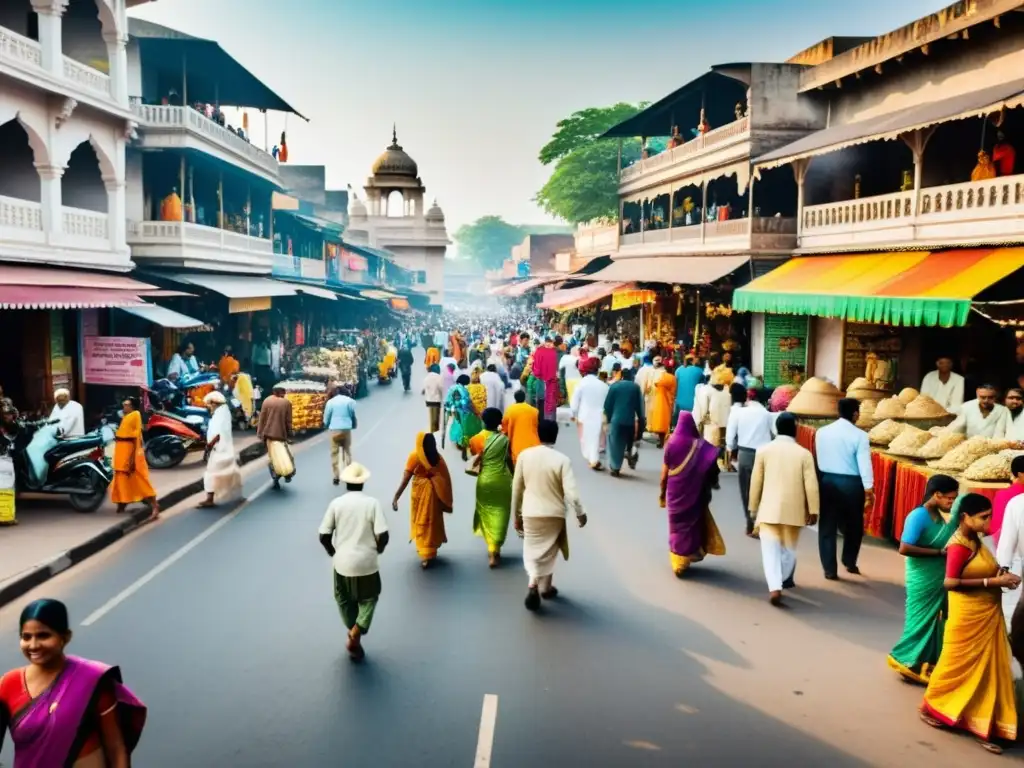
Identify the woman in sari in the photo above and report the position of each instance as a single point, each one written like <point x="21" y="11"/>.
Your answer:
<point x="98" y="722"/>
<point x="925" y="534"/>
<point x="688" y="476"/>
<point x="493" y="485"/>
<point x="431" y="497"/>
<point x="222" y="480"/>
<point x="131" y="472"/>
<point x="433" y="357"/>
<point x="477" y="392"/>
<point x="971" y="687"/>
<point x="464" y="416"/>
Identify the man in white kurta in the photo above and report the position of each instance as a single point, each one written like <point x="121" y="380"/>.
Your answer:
<point x="645" y="379"/>
<point x="587" y="406"/>
<point x="222" y="480"/>
<point x="495" y="388"/>
<point x="983" y="417"/>
<point x="543" y="490"/>
<point x="943" y="386"/>
<point x="68" y="413"/>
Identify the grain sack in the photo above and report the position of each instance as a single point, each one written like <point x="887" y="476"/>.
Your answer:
<point x="886" y="432"/>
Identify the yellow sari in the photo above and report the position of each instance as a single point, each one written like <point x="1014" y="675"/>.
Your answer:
<point x="433" y="357"/>
<point x="971" y="687"/>
<point x="431" y="498"/>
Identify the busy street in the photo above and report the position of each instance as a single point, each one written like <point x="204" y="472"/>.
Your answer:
<point x="224" y="624"/>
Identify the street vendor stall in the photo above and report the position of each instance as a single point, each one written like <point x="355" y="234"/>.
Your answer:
<point x="308" y="399"/>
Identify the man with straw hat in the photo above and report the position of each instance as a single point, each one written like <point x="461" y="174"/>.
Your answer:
<point x="354" y="532"/>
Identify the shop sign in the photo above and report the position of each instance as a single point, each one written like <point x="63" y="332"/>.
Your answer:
<point x="632" y="298"/>
<point x="118" y="361"/>
<point x="257" y="304"/>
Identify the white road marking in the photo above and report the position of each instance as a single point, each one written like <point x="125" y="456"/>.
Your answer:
<point x="115" y="601"/>
<point x="485" y="741"/>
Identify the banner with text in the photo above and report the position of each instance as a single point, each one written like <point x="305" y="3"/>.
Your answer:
<point x="118" y="361"/>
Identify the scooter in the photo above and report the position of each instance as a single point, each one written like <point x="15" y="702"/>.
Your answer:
<point x="172" y="431"/>
<point x="75" y="466"/>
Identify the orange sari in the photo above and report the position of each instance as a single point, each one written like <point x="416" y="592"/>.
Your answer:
<point x="131" y="472"/>
<point x="433" y="357"/>
<point x="431" y="498"/>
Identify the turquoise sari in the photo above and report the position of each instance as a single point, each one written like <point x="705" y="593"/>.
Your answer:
<point x="465" y="422"/>
<point x="917" y="651"/>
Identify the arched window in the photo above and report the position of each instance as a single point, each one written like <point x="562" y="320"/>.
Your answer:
<point x="396" y="205"/>
<point x="19" y="178"/>
<point x="82" y="33"/>
<point x="82" y="184"/>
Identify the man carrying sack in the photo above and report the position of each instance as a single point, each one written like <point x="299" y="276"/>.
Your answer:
<point x="275" y="430"/>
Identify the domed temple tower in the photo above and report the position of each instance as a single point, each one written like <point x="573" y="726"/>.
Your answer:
<point x="392" y="217"/>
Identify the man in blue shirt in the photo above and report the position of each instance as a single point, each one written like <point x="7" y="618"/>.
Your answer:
<point x="340" y="419"/>
<point x="687" y="379"/>
<point x="847" y="487"/>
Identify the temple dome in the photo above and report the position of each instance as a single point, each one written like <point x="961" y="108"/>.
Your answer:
<point x="435" y="213"/>
<point x="394" y="161"/>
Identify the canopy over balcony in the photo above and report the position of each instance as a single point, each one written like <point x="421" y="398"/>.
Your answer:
<point x="206" y="70"/>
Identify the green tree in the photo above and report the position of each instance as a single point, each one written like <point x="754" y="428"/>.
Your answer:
<point x="584" y="182"/>
<point x="488" y="240"/>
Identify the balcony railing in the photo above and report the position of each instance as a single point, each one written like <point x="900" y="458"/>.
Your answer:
<point x="697" y="236"/>
<point x="20" y="214"/>
<point x="969" y="211"/>
<point x="177" y="241"/>
<point x="86" y="78"/>
<point x="20" y="51"/>
<point x="82" y="223"/>
<point x="704" y="143"/>
<point x="186" y="118"/>
<point x="597" y="238"/>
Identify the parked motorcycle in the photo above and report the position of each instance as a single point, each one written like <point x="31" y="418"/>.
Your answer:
<point x="173" y="429"/>
<point x="75" y="466"/>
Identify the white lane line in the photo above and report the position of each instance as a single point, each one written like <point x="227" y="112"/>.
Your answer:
<point x="485" y="741"/>
<point x="115" y="601"/>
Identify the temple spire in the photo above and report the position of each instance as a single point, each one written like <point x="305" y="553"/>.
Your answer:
<point x="394" y="134"/>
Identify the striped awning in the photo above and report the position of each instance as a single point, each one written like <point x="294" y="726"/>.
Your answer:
<point x="906" y="288"/>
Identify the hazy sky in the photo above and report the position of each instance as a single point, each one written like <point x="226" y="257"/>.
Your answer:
<point x="476" y="86"/>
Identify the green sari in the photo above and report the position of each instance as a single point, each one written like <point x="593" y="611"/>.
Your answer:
<point x="493" y="493"/>
<point x="917" y="651"/>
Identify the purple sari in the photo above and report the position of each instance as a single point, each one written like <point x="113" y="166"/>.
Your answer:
<point x="48" y="733"/>
<point x="692" y="466"/>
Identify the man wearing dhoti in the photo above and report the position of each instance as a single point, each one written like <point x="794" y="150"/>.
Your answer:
<point x="222" y="480"/>
<point x="275" y="430"/>
<point x="587" y="406"/>
<point x="543" y="490"/>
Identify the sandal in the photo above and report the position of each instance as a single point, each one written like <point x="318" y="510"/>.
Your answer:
<point x="929" y="720"/>
<point x="206" y="505"/>
<point x="989" y="747"/>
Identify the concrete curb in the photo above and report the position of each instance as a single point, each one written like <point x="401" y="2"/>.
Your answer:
<point x="131" y="521"/>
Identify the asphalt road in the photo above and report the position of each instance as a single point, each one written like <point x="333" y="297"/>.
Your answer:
<point x="225" y="625"/>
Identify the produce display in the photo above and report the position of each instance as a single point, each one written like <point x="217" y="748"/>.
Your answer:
<point x="909" y="441"/>
<point x="337" y="365"/>
<point x="908" y="395"/>
<point x="308" y="399"/>
<point x="886" y="432"/>
<point x="965" y="454"/>
<point x="862" y="389"/>
<point x="816" y="397"/>
<point x="992" y="468"/>
<point x="940" y="445"/>
<point x="890" y="408"/>
<point x="867" y="413"/>
<point x="923" y="407"/>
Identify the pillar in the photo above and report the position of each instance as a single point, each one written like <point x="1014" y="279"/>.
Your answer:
<point x="800" y="168"/>
<point x="703" y="210"/>
<point x="750" y="208"/>
<point x="117" y="53"/>
<point x="116" y="206"/>
<point x="51" y="198"/>
<point x="49" y="13"/>
<point x="918" y="142"/>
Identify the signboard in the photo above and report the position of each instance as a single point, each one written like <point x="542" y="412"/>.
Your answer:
<point x="117" y="361"/>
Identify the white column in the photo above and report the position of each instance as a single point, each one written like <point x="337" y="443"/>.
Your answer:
<point x="117" y="53"/>
<point x="51" y="198"/>
<point x="49" y="13"/>
<point x="116" y="206"/>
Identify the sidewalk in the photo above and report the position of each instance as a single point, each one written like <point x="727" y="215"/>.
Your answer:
<point x="51" y="536"/>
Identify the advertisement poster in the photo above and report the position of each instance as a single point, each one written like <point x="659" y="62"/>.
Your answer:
<point x="118" y="361"/>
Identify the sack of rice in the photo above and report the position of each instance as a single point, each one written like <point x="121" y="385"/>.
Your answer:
<point x="867" y="413"/>
<point x="815" y="384"/>
<point x="923" y="407"/>
<point x="886" y="432"/>
<point x="965" y="454"/>
<point x="940" y="444"/>
<point x="992" y="469"/>
<point x="890" y="408"/>
<point x="908" y="395"/>
<point x="909" y="441"/>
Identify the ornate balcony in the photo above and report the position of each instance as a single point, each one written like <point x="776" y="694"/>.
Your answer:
<point x="80" y="238"/>
<point x="763" y="234"/>
<point x="956" y="214"/>
<point x="194" y="246"/>
<point x="166" y="127"/>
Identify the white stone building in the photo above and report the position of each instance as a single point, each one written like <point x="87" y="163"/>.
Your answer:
<point x="393" y="218"/>
<point x="64" y="124"/>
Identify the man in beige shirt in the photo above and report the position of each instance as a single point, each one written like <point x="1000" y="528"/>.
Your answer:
<point x="783" y="499"/>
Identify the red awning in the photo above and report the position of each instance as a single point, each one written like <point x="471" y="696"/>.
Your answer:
<point x="61" y="297"/>
<point x="71" y="278"/>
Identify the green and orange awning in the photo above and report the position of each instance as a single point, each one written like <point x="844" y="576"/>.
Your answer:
<point x="904" y="288"/>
